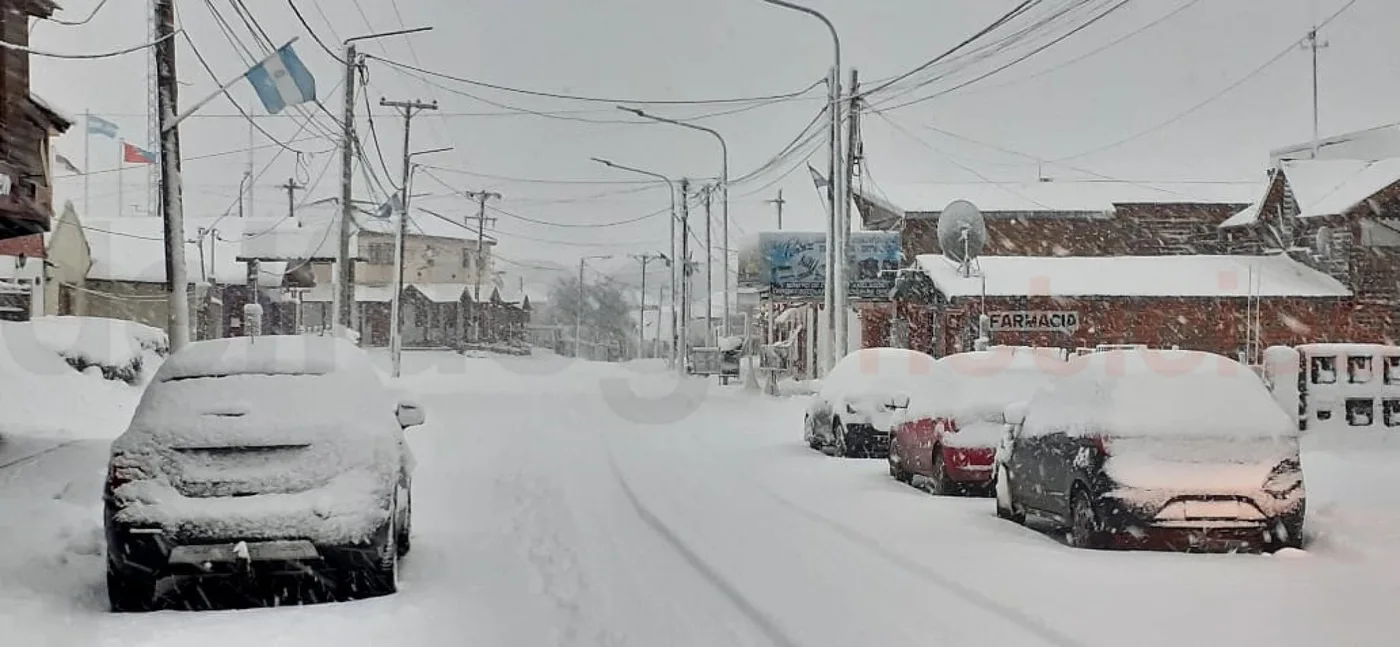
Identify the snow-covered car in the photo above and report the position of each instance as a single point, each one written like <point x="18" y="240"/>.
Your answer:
<point x="264" y="455"/>
<point x="1176" y="449"/>
<point x="851" y="411"/>
<point x="948" y="434"/>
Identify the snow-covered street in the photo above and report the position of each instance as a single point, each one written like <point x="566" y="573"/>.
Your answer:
<point x="565" y="503"/>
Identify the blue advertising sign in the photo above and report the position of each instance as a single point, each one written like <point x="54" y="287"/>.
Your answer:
<point x="794" y="264"/>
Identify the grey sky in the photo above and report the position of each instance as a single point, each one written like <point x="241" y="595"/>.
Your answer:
<point x="669" y="49"/>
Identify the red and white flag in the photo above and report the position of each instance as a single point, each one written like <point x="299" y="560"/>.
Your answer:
<point x="134" y="155"/>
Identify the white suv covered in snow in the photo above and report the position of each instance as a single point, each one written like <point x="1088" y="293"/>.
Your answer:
<point x="267" y="455"/>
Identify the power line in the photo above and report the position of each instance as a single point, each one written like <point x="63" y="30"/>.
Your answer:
<point x="4" y="44"/>
<point x="574" y="97"/>
<point x="314" y="36"/>
<point x="1212" y="98"/>
<point x="1008" y="16"/>
<point x="72" y="23"/>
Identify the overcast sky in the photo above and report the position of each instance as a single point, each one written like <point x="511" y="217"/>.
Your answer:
<point x="1041" y="108"/>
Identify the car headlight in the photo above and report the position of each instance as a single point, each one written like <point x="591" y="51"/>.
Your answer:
<point x="1285" y="478"/>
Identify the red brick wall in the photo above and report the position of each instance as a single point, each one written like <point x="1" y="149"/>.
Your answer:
<point x="1214" y="325"/>
<point x="31" y="246"/>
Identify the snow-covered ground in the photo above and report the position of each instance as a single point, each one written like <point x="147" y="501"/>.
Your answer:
<point x="567" y="503"/>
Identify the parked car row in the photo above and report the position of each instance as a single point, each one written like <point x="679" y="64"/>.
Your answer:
<point x="256" y="456"/>
<point x="1122" y="448"/>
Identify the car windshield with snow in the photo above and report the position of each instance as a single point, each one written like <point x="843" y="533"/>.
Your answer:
<point x="851" y="413"/>
<point x="267" y="455"/>
<point x="1181" y="448"/>
<point x="946" y="433"/>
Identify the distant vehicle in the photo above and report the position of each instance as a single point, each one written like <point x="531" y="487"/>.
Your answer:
<point x="948" y="434"/>
<point x="1178" y="449"/>
<point x="851" y="412"/>
<point x="260" y="455"/>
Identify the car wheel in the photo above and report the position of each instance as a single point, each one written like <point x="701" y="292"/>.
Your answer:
<point x="838" y="432"/>
<point x="1288" y="533"/>
<point x="381" y="575"/>
<point x="1006" y="505"/>
<point x="1086" y="528"/>
<point x="939" y="483"/>
<point x="810" y="434"/>
<point x="128" y="592"/>
<point x="896" y="472"/>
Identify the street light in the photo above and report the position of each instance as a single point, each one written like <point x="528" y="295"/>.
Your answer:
<point x="342" y="295"/>
<point x="835" y="288"/>
<point x="396" y="307"/>
<point x="675" y="330"/>
<point x="724" y="188"/>
<point x="578" y="312"/>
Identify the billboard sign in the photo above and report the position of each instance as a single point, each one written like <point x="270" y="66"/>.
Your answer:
<point x="794" y="264"/>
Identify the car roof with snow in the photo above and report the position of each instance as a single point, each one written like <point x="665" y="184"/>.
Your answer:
<point x="1157" y="393"/>
<point x="264" y="355"/>
<point x="979" y="384"/>
<point x="884" y="367"/>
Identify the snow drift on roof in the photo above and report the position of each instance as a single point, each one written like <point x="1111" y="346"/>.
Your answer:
<point x="269" y="354"/>
<point x="446" y="292"/>
<point x="363" y="294"/>
<point x="1332" y="187"/>
<point x="1069" y="196"/>
<point x="133" y="250"/>
<point x="1163" y="276"/>
<point x="1246" y="216"/>
<point x="1159" y="393"/>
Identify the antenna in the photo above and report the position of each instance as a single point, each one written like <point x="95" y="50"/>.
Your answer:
<point x="962" y="233"/>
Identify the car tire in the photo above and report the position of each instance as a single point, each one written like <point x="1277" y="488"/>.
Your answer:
<point x="1006" y="503"/>
<point x="1086" y="526"/>
<point x="939" y="483"/>
<point x="1288" y="533"/>
<point x="896" y="472"/>
<point x="128" y="592"/>
<point x="810" y="434"/>
<point x="381" y="575"/>
<point x="838" y="434"/>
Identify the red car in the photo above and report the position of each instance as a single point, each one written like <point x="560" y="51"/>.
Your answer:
<point x="947" y="435"/>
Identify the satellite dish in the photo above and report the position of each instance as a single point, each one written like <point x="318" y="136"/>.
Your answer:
<point x="962" y="232"/>
<point x="1322" y="245"/>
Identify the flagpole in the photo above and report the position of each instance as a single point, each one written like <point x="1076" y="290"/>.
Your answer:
<point x="121" y="164"/>
<point x="223" y="88"/>
<point x="87" y="163"/>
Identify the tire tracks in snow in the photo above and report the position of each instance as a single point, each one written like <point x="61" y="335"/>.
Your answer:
<point x="1024" y="621"/>
<point x="39" y="454"/>
<point x="767" y="625"/>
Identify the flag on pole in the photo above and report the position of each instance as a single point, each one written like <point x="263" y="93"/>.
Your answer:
<point x="282" y="80"/>
<point x="134" y="155"/>
<point x="817" y="178"/>
<point x="67" y="164"/>
<point x="100" y="126"/>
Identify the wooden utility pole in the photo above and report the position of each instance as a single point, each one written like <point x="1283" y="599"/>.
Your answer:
<point x="409" y="109"/>
<point x="709" y="272"/>
<point x="642" y="306"/>
<point x="682" y="333"/>
<point x="291" y="187"/>
<point x="343" y="284"/>
<point x="779" y="202"/>
<point x="481" y="197"/>
<point x="171" y="202"/>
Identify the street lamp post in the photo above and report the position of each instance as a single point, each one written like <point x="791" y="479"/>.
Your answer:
<point x="675" y="327"/>
<point x="835" y="287"/>
<point x="582" y="299"/>
<point x="724" y="195"/>
<point x="342" y="289"/>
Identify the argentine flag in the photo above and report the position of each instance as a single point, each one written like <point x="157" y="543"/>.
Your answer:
<point x="282" y="80"/>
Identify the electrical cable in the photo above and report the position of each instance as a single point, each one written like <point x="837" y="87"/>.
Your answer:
<point x="314" y="36"/>
<point x="71" y="23"/>
<point x="4" y="44"/>
<point x="1008" y="16"/>
<point x="224" y="90"/>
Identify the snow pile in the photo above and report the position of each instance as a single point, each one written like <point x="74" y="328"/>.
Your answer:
<point x="121" y="350"/>
<point x="1174" y="393"/>
<point x="41" y="394"/>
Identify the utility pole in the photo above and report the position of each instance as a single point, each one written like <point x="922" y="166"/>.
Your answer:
<point x="171" y="202"/>
<point x="481" y="197"/>
<point x="1313" y="44"/>
<point x="709" y="271"/>
<point x="660" y="298"/>
<point x="779" y="202"/>
<point x="642" y="306"/>
<point x="291" y="187"/>
<point x="682" y="333"/>
<point x="409" y="109"/>
<point x="343" y="283"/>
<point x="843" y="308"/>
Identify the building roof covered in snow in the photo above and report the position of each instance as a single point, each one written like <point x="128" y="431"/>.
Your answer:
<point x="1132" y="276"/>
<point x="363" y="294"/>
<point x="1333" y="187"/>
<point x="1059" y="197"/>
<point x="1379" y="142"/>
<point x="133" y="250"/>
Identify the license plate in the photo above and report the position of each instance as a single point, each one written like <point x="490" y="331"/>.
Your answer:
<point x="257" y="551"/>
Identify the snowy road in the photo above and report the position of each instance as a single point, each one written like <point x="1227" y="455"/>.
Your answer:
<point x="553" y="508"/>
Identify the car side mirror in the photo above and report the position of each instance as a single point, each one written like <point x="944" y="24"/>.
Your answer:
<point x="1014" y="414"/>
<point x="899" y="401"/>
<point x="410" y="414"/>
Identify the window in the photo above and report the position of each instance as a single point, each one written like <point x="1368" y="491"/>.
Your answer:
<point x="1359" y="369"/>
<point x="466" y="259"/>
<point x="1392" y="370"/>
<point x="1390" y="411"/>
<point x="1361" y="412"/>
<point x="380" y="253"/>
<point x="1324" y="370"/>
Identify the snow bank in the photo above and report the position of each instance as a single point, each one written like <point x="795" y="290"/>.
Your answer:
<point x="1158" y="393"/>
<point x="41" y="395"/>
<point x="121" y="350"/>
